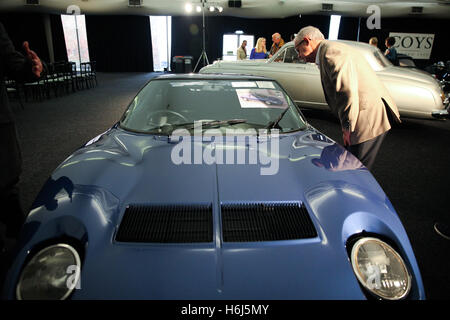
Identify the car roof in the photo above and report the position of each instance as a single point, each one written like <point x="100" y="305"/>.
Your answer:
<point x="210" y="76"/>
<point x="358" y="44"/>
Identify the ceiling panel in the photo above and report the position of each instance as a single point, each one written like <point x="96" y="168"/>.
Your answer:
<point x="250" y="8"/>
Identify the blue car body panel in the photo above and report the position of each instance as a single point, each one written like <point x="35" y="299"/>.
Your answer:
<point x="86" y="197"/>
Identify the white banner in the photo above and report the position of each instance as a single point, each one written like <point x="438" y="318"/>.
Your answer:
<point x="415" y="45"/>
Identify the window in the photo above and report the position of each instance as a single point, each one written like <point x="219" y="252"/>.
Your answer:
<point x="231" y="42"/>
<point x="287" y="55"/>
<point x="335" y="21"/>
<point x="291" y="56"/>
<point x="161" y="32"/>
<point x="76" y="38"/>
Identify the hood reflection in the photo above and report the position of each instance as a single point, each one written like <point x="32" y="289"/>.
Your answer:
<point x="336" y="158"/>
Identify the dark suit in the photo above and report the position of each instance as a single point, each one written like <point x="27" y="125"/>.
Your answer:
<point x="14" y="65"/>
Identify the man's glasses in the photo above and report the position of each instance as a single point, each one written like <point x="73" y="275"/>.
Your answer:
<point x="298" y="45"/>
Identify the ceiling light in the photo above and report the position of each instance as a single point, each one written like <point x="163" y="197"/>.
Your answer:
<point x="188" y="7"/>
<point x="198" y="8"/>
<point x="211" y="9"/>
<point x="220" y="9"/>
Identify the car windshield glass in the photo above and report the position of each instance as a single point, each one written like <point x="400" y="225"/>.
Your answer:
<point x="292" y="56"/>
<point x="382" y="59"/>
<point x="377" y="60"/>
<point x="164" y="105"/>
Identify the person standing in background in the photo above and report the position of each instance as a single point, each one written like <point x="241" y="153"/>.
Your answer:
<point x="373" y="41"/>
<point x="278" y="42"/>
<point x="260" y="51"/>
<point x="242" y="51"/>
<point x="391" y="52"/>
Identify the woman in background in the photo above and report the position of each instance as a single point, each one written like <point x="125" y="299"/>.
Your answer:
<point x="259" y="52"/>
<point x="374" y="41"/>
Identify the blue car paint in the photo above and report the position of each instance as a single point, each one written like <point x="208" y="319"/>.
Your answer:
<point x="124" y="168"/>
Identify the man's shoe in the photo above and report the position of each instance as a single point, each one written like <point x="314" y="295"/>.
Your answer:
<point x="442" y="229"/>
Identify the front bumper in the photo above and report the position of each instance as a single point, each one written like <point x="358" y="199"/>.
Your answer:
<point x="441" y="114"/>
<point x="444" y="113"/>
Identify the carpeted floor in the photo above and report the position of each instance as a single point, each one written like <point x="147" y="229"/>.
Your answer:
<point x="412" y="166"/>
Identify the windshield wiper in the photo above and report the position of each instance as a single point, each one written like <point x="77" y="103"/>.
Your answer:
<point x="274" y="124"/>
<point x="218" y="123"/>
<point x="169" y="127"/>
<point x="191" y="125"/>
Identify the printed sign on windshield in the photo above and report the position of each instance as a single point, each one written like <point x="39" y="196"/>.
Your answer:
<point x="261" y="98"/>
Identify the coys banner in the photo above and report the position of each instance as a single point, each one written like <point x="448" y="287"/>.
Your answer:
<point x="415" y="45"/>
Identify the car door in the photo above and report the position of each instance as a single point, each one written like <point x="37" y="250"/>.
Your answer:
<point x="301" y="80"/>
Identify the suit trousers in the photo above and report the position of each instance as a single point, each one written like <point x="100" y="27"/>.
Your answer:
<point x="367" y="151"/>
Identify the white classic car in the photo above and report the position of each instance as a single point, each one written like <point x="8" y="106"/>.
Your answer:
<point x="416" y="92"/>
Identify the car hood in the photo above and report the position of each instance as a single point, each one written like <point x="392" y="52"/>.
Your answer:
<point x="340" y="196"/>
<point x="140" y="168"/>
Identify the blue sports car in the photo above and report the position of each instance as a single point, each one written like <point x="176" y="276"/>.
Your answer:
<point x="195" y="195"/>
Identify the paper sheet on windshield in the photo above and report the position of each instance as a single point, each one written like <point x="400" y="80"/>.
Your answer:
<point x="261" y="98"/>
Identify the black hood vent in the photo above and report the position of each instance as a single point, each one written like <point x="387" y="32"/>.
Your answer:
<point x="166" y="224"/>
<point x="266" y="222"/>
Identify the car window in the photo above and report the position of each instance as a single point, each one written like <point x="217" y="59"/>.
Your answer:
<point x="279" y="56"/>
<point x="291" y="56"/>
<point x="170" y="103"/>
<point x="381" y="58"/>
<point x="376" y="59"/>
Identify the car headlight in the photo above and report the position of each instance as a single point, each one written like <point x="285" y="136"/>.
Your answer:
<point x="52" y="273"/>
<point x="380" y="269"/>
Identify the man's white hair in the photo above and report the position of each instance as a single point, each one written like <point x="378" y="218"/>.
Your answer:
<point x="309" y="32"/>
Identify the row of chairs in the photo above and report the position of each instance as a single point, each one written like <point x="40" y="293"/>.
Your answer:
<point x="60" y="78"/>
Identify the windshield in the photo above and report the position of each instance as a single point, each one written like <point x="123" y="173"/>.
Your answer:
<point x="377" y="60"/>
<point x="382" y="59"/>
<point x="165" y="105"/>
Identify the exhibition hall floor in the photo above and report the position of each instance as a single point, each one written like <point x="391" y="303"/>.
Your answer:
<point x="413" y="165"/>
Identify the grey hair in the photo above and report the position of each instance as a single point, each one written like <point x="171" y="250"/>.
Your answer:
<point x="309" y="32"/>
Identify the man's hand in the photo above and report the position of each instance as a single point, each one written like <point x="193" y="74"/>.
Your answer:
<point x="36" y="62"/>
<point x="346" y="137"/>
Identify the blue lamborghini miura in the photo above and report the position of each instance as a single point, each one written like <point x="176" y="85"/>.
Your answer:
<point x="198" y="194"/>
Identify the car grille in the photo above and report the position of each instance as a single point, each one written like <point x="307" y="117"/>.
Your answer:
<point x="166" y="224"/>
<point x="266" y="222"/>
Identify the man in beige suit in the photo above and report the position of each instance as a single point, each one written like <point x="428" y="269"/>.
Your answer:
<point x="353" y="92"/>
<point x="242" y="51"/>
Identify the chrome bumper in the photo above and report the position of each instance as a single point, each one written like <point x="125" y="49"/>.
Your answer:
<point x="440" y="114"/>
<point x="444" y="113"/>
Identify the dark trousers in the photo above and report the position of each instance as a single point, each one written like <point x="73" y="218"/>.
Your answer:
<point x="11" y="213"/>
<point x="367" y="151"/>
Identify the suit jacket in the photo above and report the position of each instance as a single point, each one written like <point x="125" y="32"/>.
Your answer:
<point x="14" y="65"/>
<point x="241" y="54"/>
<point x="275" y="47"/>
<point x="354" y="92"/>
